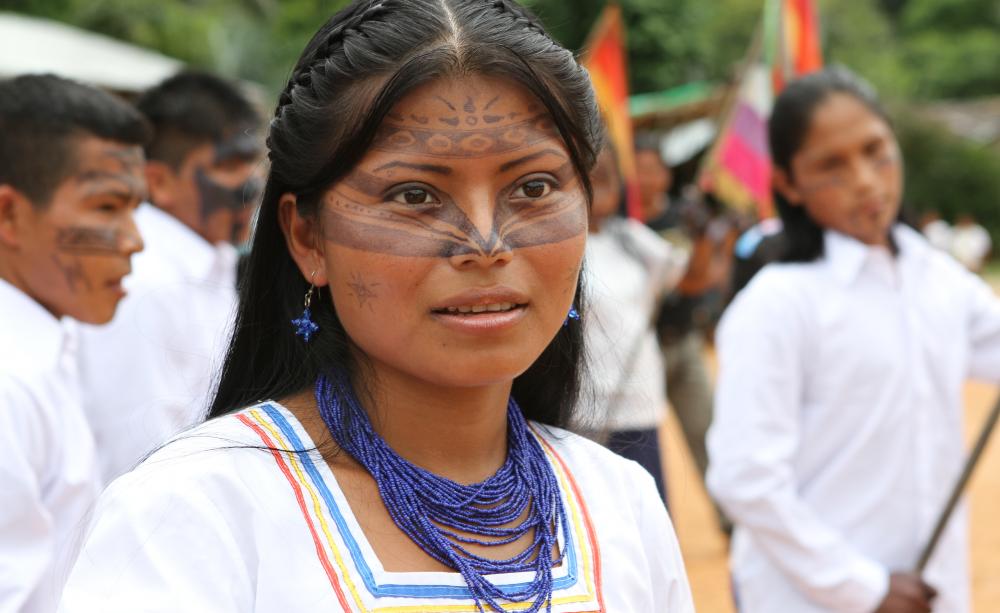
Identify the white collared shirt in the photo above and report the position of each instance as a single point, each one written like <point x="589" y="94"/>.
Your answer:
<point x="48" y="472"/>
<point x="628" y="267"/>
<point x="148" y="374"/>
<point x="838" y="423"/>
<point x="214" y="523"/>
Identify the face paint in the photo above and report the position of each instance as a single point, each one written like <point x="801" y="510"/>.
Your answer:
<point x="443" y="229"/>
<point x="466" y="188"/>
<point x="362" y="291"/>
<point x="72" y="269"/>
<point x="215" y="197"/>
<point x="89" y="240"/>
<point x="433" y="142"/>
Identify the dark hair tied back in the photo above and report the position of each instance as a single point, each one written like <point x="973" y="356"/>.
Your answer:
<point x="360" y="64"/>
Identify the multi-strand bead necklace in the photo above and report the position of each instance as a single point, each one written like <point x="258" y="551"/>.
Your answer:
<point x="442" y="517"/>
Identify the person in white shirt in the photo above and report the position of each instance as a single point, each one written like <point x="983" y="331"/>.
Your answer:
<point x="70" y="179"/>
<point x="404" y="317"/>
<point x="838" y="430"/>
<point x="970" y="243"/>
<point x="938" y="232"/>
<point x="628" y="269"/>
<point x="148" y="374"/>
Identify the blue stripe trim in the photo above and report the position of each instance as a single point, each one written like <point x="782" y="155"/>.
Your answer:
<point x="390" y="589"/>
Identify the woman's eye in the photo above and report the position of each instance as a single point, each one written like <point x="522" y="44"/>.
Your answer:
<point x="415" y="196"/>
<point x="533" y="189"/>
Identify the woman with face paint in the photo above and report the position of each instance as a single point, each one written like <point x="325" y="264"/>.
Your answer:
<point x="838" y="427"/>
<point x="385" y="434"/>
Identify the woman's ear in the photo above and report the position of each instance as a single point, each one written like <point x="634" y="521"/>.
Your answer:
<point x="304" y="239"/>
<point x="782" y="182"/>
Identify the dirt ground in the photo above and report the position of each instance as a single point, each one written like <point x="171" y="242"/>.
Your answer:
<point x="704" y="546"/>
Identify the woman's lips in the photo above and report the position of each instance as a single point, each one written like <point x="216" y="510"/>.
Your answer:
<point x="479" y="297"/>
<point x="482" y="321"/>
<point x="482" y="309"/>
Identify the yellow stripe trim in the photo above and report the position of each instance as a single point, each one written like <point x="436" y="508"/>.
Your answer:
<point x="586" y="552"/>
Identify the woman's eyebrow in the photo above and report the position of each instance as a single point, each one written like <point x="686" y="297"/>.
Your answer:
<point x="527" y="158"/>
<point x="435" y="168"/>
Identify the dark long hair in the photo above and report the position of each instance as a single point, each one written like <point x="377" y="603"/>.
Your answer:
<point x="354" y="70"/>
<point x="787" y="129"/>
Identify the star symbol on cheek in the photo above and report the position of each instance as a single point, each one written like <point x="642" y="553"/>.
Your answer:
<point x="305" y="326"/>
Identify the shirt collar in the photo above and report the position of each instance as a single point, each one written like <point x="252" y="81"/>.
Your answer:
<point x="847" y="256"/>
<point x="32" y="338"/>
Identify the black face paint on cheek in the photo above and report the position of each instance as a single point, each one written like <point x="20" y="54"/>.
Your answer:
<point x="362" y="291"/>
<point x="443" y="229"/>
<point x="215" y="198"/>
<point x="83" y="240"/>
<point x="72" y="270"/>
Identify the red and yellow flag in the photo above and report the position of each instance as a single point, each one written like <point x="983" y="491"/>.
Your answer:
<point x="738" y="168"/>
<point x="604" y="57"/>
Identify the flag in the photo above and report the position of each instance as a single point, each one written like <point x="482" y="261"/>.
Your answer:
<point x="738" y="168"/>
<point x="604" y="58"/>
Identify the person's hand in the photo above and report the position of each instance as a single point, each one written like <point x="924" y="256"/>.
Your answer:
<point x="907" y="594"/>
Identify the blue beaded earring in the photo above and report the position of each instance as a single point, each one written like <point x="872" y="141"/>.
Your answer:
<point x="573" y="314"/>
<point x="304" y="325"/>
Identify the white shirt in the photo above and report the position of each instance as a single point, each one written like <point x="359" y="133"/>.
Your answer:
<point x="48" y="473"/>
<point x="628" y="267"/>
<point x="970" y="244"/>
<point x="939" y="234"/>
<point x="838" y="423"/>
<point x="149" y="373"/>
<point x="207" y="526"/>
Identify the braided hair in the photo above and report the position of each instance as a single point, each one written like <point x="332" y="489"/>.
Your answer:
<point x="359" y="64"/>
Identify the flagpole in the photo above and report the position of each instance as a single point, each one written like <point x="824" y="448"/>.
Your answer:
<point x="959" y="487"/>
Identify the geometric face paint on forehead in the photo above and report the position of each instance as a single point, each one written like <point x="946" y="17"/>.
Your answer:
<point x="464" y="129"/>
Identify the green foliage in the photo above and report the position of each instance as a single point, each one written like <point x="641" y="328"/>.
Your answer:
<point x="955" y="16"/>
<point x="948" y="174"/>
<point x="951" y="47"/>
<point x="923" y="48"/>
<point x="859" y="36"/>
<point x="669" y="43"/>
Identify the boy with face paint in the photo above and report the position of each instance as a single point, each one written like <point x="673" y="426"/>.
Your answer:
<point x="70" y="180"/>
<point x="146" y="376"/>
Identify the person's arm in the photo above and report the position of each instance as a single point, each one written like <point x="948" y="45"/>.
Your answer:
<point x="27" y="540"/>
<point x="160" y="544"/>
<point x="752" y="446"/>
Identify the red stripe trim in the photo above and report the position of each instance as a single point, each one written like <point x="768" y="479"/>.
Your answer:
<point x="320" y="551"/>
<point x="586" y="520"/>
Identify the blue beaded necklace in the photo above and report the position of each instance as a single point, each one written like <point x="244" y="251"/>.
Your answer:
<point x="439" y="515"/>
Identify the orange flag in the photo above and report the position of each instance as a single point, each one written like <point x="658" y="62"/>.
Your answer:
<point x="604" y="57"/>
